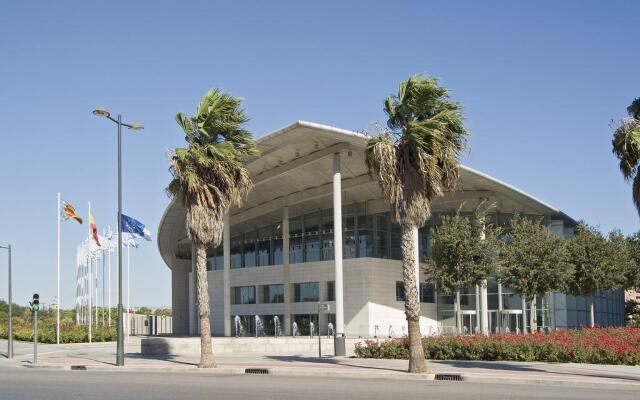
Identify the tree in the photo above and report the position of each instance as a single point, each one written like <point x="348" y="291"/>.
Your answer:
<point x="464" y="253"/>
<point x="209" y="177"/>
<point x="632" y="274"/>
<point x="596" y="263"/>
<point x="626" y="146"/>
<point x="416" y="160"/>
<point x="533" y="261"/>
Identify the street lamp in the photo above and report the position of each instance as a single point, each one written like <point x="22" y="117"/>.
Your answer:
<point x="101" y="112"/>
<point x="10" y="329"/>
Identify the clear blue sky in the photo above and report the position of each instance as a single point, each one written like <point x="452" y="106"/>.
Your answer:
<point x="539" y="81"/>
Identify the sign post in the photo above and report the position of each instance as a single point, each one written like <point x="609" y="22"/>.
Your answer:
<point x="35" y="307"/>
<point x="322" y="308"/>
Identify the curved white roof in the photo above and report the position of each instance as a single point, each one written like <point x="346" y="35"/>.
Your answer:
<point x="295" y="166"/>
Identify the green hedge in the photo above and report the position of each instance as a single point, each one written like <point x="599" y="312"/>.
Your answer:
<point x="69" y="333"/>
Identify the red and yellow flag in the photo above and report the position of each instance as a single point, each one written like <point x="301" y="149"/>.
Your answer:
<point x="94" y="229"/>
<point x="68" y="212"/>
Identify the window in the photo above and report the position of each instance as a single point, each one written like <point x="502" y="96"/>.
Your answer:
<point x="244" y="295"/>
<point x="277" y="251"/>
<point x="250" y="249"/>
<point x="215" y="260"/>
<point x="399" y="291"/>
<point x="264" y="247"/>
<point x="236" y="252"/>
<point x="273" y="294"/>
<point x="331" y="291"/>
<point x="426" y="293"/>
<point x="327" y="247"/>
<point x="296" y="254"/>
<point x="365" y="243"/>
<point x="304" y="292"/>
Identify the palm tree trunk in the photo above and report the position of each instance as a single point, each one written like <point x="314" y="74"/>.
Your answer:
<point x="202" y="293"/>
<point x="592" y="311"/>
<point x="417" y="362"/>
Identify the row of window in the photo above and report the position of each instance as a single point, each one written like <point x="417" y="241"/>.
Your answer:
<point x="311" y="239"/>
<point x="302" y="292"/>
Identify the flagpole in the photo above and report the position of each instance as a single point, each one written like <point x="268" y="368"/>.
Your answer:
<point x="96" y="279"/>
<point x="128" y="293"/>
<point x="58" y="276"/>
<point x="102" y="300"/>
<point x="90" y="283"/>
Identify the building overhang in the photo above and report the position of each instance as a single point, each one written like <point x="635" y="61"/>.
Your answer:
<point x="295" y="167"/>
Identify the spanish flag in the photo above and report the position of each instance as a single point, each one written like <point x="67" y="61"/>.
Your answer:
<point x="68" y="212"/>
<point x="94" y="229"/>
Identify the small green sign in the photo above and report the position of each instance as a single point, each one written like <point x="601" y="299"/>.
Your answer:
<point x="324" y="307"/>
<point x="35" y="307"/>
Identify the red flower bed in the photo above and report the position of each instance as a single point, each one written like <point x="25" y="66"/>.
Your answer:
<point x="589" y="345"/>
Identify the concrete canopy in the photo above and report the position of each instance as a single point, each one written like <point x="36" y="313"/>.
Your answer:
<point x="295" y="169"/>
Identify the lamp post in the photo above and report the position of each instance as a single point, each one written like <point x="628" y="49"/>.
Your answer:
<point x="10" y="328"/>
<point x="101" y="112"/>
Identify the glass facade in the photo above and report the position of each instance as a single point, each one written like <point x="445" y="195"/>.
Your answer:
<point x="244" y="295"/>
<point x="273" y="294"/>
<point x="305" y="292"/>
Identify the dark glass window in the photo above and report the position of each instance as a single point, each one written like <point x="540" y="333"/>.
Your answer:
<point x="365" y="243"/>
<point x="273" y="294"/>
<point x="312" y="248"/>
<point x="399" y="291"/>
<point x="309" y="291"/>
<point x="296" y="254"/>
<point x="264" y="248"/>
<point x="349" y="244"/>
<point x="249" y="254"/>
<point x="277" y="251"/>
<point x="331" y="291"/>
<point x="395" y="250"/>
<point x="236" y="252"/>
<point x="244" y="295"/>
<point x="328" y="252"/>
<point x="427" y="293"/>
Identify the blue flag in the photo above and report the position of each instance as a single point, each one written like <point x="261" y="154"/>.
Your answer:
<point x="134" y="227"/>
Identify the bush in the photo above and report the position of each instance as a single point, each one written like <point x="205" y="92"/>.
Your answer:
<point x="591" y="345"/>
<point x="69" y="333"/>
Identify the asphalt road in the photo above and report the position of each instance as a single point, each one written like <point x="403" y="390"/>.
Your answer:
<point x="22" y="383"/>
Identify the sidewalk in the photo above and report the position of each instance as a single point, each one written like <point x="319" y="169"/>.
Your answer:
<point x="101" y="356"/>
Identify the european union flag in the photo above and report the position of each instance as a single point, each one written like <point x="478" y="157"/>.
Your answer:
<point x="135" y="227"/>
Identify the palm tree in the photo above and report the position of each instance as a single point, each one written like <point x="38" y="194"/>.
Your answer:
<point x="626" y="146"/>
<point x="415" y="161"/>
<point x="209" y="177"/>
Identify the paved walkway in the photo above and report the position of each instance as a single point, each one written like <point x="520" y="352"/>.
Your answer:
<point x="101" y="356"/>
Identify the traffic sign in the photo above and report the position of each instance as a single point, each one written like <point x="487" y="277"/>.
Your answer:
<point x="35" y="307"/>
<point x="324" y="307"/>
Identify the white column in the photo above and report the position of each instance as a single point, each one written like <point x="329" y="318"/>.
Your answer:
<point x="500" y="308"/>
<point x="484" y="303"/>
<point x="226" y="253"/>
<point x="285" y="271"/>
<point x="337" y="244"/>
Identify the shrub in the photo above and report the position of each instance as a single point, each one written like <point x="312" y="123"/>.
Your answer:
<point x="69" y="333"/>
<point x="591" y="345"/>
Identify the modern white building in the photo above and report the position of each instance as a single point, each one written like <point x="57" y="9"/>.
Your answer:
<point x="315" y="229"/>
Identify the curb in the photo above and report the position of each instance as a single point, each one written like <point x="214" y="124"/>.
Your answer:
<point x="346" y="374"/>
